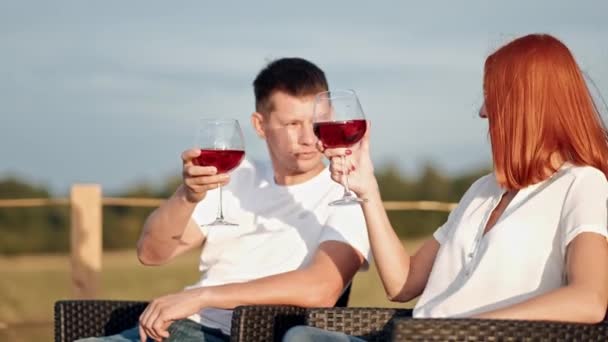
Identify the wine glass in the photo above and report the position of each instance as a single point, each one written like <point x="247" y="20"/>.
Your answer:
<point x="339" y="122"/>
<point x="222" y="145"/>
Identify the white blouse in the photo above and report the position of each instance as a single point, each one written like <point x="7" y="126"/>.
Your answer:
<point x="523" y="255"/>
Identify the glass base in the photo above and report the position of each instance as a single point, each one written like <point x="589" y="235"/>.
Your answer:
<point x="347" y="200"/>
<point x="220" y="222"/>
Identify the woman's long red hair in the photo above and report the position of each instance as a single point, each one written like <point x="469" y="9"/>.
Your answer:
<point x="538" y="104"/>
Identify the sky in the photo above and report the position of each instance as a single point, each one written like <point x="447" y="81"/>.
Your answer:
<point x="109" y="92"/>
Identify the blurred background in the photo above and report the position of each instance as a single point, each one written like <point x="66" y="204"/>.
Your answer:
<point x="109" y="93"/>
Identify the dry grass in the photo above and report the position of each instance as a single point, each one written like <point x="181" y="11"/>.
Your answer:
<point x="30" y="285"/>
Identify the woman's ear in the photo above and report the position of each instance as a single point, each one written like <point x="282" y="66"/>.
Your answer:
<point x="257" y="121"/>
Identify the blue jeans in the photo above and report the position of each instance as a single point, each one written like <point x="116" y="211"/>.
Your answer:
<point x="183" y="330"/>
<point x="310" y="334"/>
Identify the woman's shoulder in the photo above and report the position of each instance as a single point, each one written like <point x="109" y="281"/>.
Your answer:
<point x="483" y="184"/>
<point x="585" y="174"/>
<point x="584" y="181"/>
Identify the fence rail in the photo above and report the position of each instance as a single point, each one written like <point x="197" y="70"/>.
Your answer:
<point x="155" y="202"/>
<point x="86" y="202"/>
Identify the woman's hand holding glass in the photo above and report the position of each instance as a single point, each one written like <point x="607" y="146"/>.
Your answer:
<point x="359" y="167"/>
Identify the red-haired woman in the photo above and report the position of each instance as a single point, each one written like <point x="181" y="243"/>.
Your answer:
<point x="527" y="241"/>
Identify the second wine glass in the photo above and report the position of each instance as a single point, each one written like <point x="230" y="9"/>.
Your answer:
<point x="222" y="145"/>
<point x="339" y="121"/>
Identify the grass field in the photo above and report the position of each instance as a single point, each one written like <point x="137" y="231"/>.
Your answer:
<point x="29" y="286"/>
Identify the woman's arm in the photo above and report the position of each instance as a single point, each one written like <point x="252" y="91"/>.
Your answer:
<point x="403" y="276"/>
<point x="584" y="299"/>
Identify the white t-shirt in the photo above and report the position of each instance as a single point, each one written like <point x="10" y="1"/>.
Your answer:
<point x="523" y="255"/>
<point x="279" y="229"/>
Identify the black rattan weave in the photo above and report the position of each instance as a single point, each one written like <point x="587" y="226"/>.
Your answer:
<point x="371" y="324"/>
<point x="83" y="318"/>
<point x="76" y="319"/>
<point x="495" y="330"/>
<point x="269" y="323"/>
<point x="264" y="322"/>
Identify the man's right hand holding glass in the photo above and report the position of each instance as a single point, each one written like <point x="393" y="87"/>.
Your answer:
<point x="197" y="180"/>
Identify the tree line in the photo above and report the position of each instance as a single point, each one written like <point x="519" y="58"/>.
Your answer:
<point x="46" y="229"/>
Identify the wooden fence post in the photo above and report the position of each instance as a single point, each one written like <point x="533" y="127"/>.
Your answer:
<point x="86" y="239"/>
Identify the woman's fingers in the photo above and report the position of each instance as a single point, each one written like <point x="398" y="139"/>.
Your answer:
<point x="335" y="164"/>
<point x="320" y="146"/>
<point x="337" y="152"/>
<point x="339" y="165"/>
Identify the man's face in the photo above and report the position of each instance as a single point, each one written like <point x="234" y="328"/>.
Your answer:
<point x="289" y="135"/>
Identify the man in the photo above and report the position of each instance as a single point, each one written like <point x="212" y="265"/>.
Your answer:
<point x="289" y="247"/>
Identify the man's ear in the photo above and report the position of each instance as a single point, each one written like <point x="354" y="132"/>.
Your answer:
<point x="257" y="120"/>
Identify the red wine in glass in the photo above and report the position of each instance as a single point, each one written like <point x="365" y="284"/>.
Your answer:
<point x="340" y="133"/>
<point x="223" y="160"/>
<point x="339" y="121"/>
<point x="222" y="145"/>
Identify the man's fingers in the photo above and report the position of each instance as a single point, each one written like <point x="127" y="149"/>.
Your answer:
<point x="159" y="327"/>
<point x="207" y="180"/>
<point x="142" y="334"/>
<point x="149" y="319"/>
<point x="202" y="189"/>
<point x="189" y="155"/>
<point x="196" y="171"/>
<point x="165" y="328"/>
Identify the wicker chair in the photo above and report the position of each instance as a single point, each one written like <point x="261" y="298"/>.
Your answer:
<point x="269" y="323"/>
<point x="76" y="319"/>
<point x="495" y="330"/>
<point x="82" y="318"/>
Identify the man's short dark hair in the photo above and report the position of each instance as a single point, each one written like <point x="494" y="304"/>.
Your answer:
<point x="293" y="76"/>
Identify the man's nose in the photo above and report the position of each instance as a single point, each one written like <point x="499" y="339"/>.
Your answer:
<point x="307" y="135"/>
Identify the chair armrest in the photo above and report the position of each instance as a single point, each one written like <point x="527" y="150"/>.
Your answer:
<point x="372" y="324"/>
<point x="76" y="319"/>
<point x="269" y="323"/>
<point x="495" y="330"/>
<point x="264" y="323"/>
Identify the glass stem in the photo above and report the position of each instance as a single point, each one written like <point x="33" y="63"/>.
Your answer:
<point x="344" y="169"/>
<point x="220" y="211"/>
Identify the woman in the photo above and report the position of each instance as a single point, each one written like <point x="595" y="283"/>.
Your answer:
<point x="527" y="241"/>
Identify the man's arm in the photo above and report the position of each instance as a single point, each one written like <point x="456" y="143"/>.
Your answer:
<point x="583" y="300"/>
<point x="319" y="284"/>
<point x="169" y="231"/>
